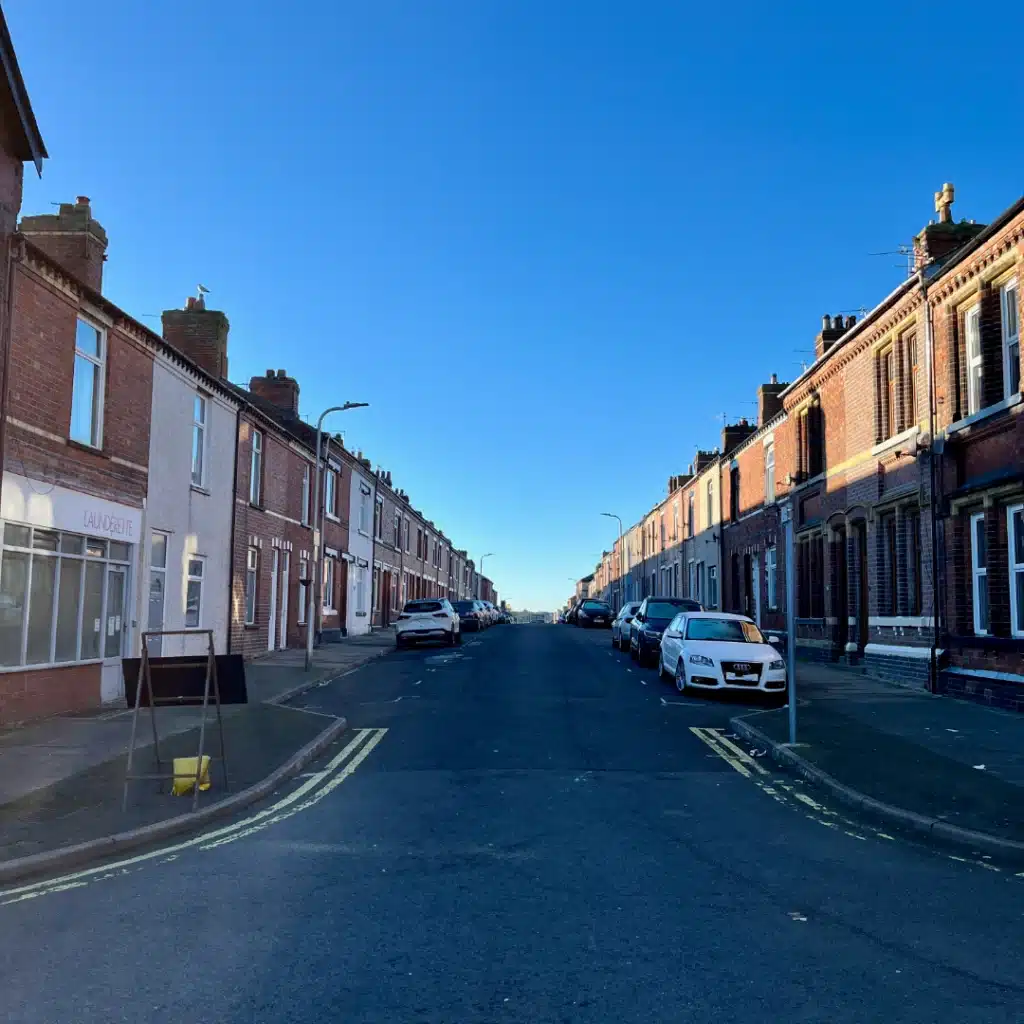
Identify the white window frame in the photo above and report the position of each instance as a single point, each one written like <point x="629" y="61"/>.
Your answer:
<point x="691" y="581"/>
<point x="306" y="475"/>
<point x="975" y="367"/>
<point x="712" y="586"/>
<point x="1016" y="568"/>
<point x="691" y="507"/>
<point x="190" y="578"/>
<point x="300" y="619"/>
<point x="771" y="577"/>
<point x="408" y="535"/>
<point x="256" y="468"/>
<point x="360" y="588"/>
<point x="331" y="493"/>
<point x="769" y="473"/>
<point x="327" y="591"/>
<point x="378" y="520"/>
<point x="364" y="524"/>
<point x="396" y="532"/>
<point x="675" y="521"/>
<point x="252" y="570"/>
<point x="710" y="503"/>
<point x="978" y="572"/>
<point x="1009" y="299"/>
<point x="99" y="395"/>
<point x="200" y="419"/>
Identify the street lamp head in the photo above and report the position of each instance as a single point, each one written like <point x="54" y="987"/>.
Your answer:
<point x="355" y="405"/>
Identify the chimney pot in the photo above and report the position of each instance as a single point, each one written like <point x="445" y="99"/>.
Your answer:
<point x="850" y="321"/>
<point x="82" y="200"/>
<point x="270" y="374"/>
<point x="774" y="379"/>
<point x="281" y="373"/>
<point x="826" y="323"/>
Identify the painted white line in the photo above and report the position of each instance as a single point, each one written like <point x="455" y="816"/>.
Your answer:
<point x="307" y="711"/>
<point x="89" y="874"/>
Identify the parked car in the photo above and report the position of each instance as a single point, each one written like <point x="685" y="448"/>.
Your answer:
<point x="649" y="622"/>
<point x="561" y="619"/>
<point x="594" y="613"/>
<point x="620" y="625"/>
<point x="472" y="615"/>
<point x="492" y="613"/>
<point x="428" y="620"/>
<point x="720" y="651"/>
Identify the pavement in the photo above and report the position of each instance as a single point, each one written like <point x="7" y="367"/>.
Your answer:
<point x="61" y="779"/>
<point x="934" y="764"/>
<point x="528" y="828"/>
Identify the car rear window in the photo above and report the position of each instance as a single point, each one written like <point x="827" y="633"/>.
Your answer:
<point x="464" y="606"/>
<point x="664" y="609"/>
<point x="423" y="606"/>
<point x="596" y="606"/>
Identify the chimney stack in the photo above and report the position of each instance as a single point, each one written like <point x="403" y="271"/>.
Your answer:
<point x="735" y="434"/>
<point x="200" y="334"/>
<point x="939" y="241"/>
<point x="279" y="389"/>
<point x="832" y="329"/>
<point x="703" y="460"/>
<point x="72" y="238"/>
<point x="769" y="402"/>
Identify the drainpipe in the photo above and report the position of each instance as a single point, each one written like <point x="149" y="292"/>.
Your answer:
<point x="933" y="666"/>
<point x="234" y="518"/>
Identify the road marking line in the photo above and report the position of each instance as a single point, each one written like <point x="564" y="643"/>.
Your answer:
<point x="705" y="735"/>
<point x="91" y="874"/>
<point x="739" y="752"/>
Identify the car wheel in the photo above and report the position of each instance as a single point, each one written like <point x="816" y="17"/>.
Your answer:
<point x="398" y="643"/>
<point x="450" y="640"/>
<point x="661" y="667"/>
<point x="634" y="653"/>
<point x="615" y="641"/>
<point x="680" y="677"/>
<point x="458" y="638"/>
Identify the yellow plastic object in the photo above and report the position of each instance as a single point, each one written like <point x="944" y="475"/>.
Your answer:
<point x="185" y="775"/>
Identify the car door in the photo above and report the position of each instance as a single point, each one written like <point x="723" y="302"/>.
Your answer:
<point x="672" y="641"/>
<point x="637" y="624"/>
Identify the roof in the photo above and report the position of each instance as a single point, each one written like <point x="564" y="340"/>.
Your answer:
<point x="27" y="138"/>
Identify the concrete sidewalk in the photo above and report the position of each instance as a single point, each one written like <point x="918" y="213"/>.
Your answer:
<point x="61" y="779"/>
<point x="942" y="766"/>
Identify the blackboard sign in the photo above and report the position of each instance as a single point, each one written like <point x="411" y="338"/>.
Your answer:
<point x="180" y="681"/>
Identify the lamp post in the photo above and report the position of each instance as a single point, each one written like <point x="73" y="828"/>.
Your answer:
<point x="480" y="576"/>
<point x="311" y="597"/>
<point x="622" y="559"/>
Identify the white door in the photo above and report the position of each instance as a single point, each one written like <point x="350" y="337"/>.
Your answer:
<point x="111" y="680"/>
<point x="272" y="619"/>
<point x="286" y="561"/>
<point x="755" y="583"/>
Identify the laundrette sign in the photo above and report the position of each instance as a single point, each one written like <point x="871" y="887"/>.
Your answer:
<point x="97" y="521"/>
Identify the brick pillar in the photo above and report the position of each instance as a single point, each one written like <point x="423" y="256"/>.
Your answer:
<point x="998" y="570"/>
<point x="902" y="596"/>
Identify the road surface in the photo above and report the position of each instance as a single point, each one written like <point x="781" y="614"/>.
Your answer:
<point x="532" y="829"/>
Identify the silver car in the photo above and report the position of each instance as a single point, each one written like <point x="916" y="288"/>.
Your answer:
<point x="620" y="625"/>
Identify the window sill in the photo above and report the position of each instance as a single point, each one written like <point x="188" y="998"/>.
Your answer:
<point x="331" y="518"/>
<point x="983" y="414"/>
<point x="363" y="533"/>
<point x="257" y="506"/>
<point x="251" y="626"/>
<point x="896" y="440"/>
<point x="199" y="489"/>
<point x="92" y="450"/>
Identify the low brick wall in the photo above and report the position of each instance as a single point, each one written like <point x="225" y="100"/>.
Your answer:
<point x="997" y="693"/>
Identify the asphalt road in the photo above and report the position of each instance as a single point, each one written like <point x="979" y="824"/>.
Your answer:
<point x="538" y="836"/>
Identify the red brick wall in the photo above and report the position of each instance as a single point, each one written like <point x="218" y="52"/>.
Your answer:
<point x="25" y="695"/>
<point x="39" y="394"/>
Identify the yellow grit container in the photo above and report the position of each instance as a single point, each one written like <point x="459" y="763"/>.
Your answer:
<point x="185" y="775"/>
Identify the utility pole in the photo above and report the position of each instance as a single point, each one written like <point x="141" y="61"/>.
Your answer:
<point x="787" y="523"/>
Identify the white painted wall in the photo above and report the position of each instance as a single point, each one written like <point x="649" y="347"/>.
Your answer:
<point x="360" y="547"/>
<point x="196" y="521"/>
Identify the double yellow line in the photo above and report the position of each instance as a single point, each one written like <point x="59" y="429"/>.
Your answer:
<point x="728" y="751"/>
<point x="311" y="791"/>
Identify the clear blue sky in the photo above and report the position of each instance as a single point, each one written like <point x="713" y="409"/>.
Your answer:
<point x="549" y="242"/>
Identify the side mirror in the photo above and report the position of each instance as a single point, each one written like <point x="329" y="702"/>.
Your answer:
<point x="774" y="640"/>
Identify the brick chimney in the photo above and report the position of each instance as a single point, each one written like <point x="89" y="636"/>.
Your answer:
<point x="199" y="333"/>
<point x="938" y="241"/>
<point x="703" y="460"/>
<point x="72" y="238"/>
<point x="734" y="434"/>
<point x="832" y="329"/>
<point x="279" y="389"/>
<point x="769" y="404"/>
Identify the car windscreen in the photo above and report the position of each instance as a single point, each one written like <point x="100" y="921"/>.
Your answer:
<point x="423" y="606"/>
<point x="596" y="606"/>
<point x="732" y="630"/>
<point x="662" y="609"/>
<point x="464" y="606"/>
<point x="628" y="610"/>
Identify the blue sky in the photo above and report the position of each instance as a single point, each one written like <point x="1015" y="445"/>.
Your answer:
<point x="548" y="242"/>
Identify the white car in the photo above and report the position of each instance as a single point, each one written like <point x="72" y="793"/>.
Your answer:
<point x="620" y="625"/>
<point x="428" y="619"/>
<point x="720" y="651"/>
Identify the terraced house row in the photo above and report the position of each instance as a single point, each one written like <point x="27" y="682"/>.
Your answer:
<point x="900" y="454"/>
<point x="143" y="490"/>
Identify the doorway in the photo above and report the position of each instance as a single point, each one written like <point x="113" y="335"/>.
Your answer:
<point x="861" y="535"/>
<point x="286" y="562"/>
<point x="385" y="599"/>
<point x="272" y="618"/>
<point x="111" y="680"/>
<point x="840" y="598"/>
<point x="755" y="588"/>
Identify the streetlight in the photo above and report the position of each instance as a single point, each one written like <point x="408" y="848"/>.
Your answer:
<point x="480" y="575"/>
<point x="622" y="557"/>
<point x="311" y="597"/>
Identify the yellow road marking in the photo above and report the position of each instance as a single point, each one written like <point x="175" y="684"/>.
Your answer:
<point x="707" y="736"/>
<point x="167" y="853"/>
<point x="741" y="754"/>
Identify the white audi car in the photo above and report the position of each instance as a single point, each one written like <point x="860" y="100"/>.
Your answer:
<point x="428" y="619"/>
<point x="720" y="651"/>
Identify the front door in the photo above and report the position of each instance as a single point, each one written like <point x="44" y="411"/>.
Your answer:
<point x="286" y="561"/>
<point x="862" y="604"/>
<point x="755" y="586"/>
<point x="115" y="626"/>
<point x="840" y="602"/>
<point x="385" y="599"/>
<point x="272" y="619"/>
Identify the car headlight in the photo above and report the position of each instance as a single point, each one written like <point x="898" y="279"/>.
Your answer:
<point x="700" y="659"/>
<point x="654" y="634"/>
<point x="777" y="665"/>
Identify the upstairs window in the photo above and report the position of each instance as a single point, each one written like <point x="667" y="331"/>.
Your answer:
<point x="256" y="468"/>
<point x="690" y="513"/>
<point x="396" y="526"/>
<point x="87" y="387"/>
<point x="975" y="369"/>
<point x="888" y="393"/>
<point x="710" y="503"/>
<point x="769" y="473"/>
<point x="910" y="380"/>
<point x="979" y="573"/>
<point x="331" y="494"/>
<point x="1015" y="536"/>
<point x="1010" y="310"/>
<point x="199" y="404"/>
<point x="378" y="519"/>
<point x="304" y="512"/>
<point x="734" y="493"/>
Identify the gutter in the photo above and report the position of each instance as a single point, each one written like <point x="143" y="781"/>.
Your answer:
<point x="234" y="519"/>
